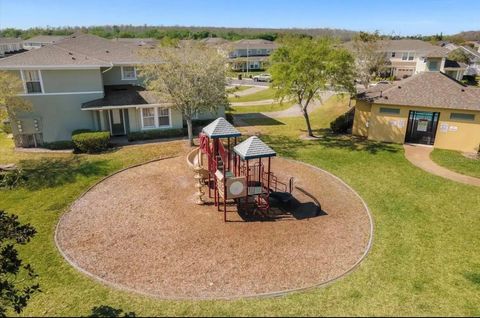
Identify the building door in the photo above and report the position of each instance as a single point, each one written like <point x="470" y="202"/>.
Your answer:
<point x="422" y="127"/>
<point x="117" y="122"/>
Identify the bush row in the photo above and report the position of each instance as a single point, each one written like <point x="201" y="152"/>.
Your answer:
<point x="156" y="134"/>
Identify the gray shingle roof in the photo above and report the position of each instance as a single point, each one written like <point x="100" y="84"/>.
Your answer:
<point x="428" y="89"/>
<point x="253" y="148"/>
<point x="220" y="128"/>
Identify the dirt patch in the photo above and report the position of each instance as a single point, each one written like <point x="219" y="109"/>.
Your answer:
<point x="141" y="230"/>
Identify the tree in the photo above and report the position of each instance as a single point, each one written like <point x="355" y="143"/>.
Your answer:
<point x="460" y="55"/>
<point x="10" y="102"/>
<point x="302" y="68"/>
<point x="370" y="60"/>
<point x="16" y="279"/>
<point x="191" y="76"/>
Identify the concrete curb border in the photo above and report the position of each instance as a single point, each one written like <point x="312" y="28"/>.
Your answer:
<point x="121" y="287"/>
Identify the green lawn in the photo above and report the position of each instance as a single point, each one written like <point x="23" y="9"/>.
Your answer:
<point x="260" y="108"/>
<point x="236" y="89"/>
<point x="424" y="260"/>
<point x="455" y="161"/>
<point x="268" y="93"/>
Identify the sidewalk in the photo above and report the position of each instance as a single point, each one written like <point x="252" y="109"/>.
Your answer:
<point x="420" y="157"/>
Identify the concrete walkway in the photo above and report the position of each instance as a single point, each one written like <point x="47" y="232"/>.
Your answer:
<point x="293" y="111"/>
<point x="248" y="91"/>
<point x="420" y="156"/>
<point x="255" y="103"/>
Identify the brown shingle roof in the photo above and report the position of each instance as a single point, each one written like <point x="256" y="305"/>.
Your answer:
<point x="46" y="39"/>
<point x="124" y="95"/>
<point x="76" y="51"/>
<point x="50" y="56"/>
<point x="102" y="49"/>
<point x="428" y="89"/>
<point x="254" y="44"/>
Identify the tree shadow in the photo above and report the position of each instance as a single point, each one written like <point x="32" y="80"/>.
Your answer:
<point x="256" y="119"/>
<point x="108" y="311"/>
<point x="52" y="172"/>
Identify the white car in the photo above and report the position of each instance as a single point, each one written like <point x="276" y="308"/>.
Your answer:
<point x="262" y="78"/>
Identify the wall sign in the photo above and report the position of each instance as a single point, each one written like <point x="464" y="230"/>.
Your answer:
<point x="444" y="127"/>
<point x="422" y="125"/>
<point x="453" y="128"/>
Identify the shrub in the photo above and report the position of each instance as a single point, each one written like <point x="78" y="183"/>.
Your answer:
<point x="80" y="131"/>
<point x="5" y="126"/>
<point x="59" y="145"/>
<point x="342" y="124"/>
<point x="91" y="142"/>
<point x="229" y="118"/>
<point x="12" y="178"/>
<point x="156" y="134"/>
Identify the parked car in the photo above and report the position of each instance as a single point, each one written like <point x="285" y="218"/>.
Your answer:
<point x="262" y="78"/>
<point x="381" y="82"/>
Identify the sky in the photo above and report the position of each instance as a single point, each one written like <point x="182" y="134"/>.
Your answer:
<point x="407" y="17"/>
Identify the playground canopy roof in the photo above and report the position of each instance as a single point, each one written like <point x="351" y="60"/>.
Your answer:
<point x="253" y="148"/>
<point x="220" y="128"/>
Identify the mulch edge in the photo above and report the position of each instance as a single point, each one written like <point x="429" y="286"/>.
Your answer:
<point x="281" y="293"/>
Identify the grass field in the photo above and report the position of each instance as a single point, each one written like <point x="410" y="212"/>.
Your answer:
<point x="424" y="260"/>
<point x="268" y="93"/>
<point x="455" y="161"/>
<point x="260" y="108"/>
<point x="236" y="89"/>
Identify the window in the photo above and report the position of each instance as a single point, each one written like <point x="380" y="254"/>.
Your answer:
<point x="411" y="56"/>
<point x="391" y="111"/>
<point x="404" y="56"/>
<point x="32" y="82"/>
<point x="433" y="66"/>
<point x="393" y="54"/>
<point x="129" y="73"/>
<point x="163" y="117"/>
<point x="148" y="116"/>
<point x="155" y="117"/>
<point x="461" y="116"/>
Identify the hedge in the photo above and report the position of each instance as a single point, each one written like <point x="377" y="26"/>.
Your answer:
<point x="59" y="145"/>
<point x="91" y="142"/>
<point x="156" y="134"/>
<point x="80" y="131"/>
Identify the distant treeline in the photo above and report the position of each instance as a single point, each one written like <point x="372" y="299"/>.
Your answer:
<point x="176" y="32"/>
<point x="233" y="34"/>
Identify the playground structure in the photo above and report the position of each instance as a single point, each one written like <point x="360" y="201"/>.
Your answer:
<point x="238" y="172"/>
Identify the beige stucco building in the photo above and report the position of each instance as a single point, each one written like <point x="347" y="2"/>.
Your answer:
<point x="429" y="108"/>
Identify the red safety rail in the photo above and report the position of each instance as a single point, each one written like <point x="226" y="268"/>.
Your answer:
<point x="223" y="153"/>
<point x="204" y="143"/>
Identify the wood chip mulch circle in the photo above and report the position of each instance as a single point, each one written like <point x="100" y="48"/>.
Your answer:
<point x="141" y="231"/>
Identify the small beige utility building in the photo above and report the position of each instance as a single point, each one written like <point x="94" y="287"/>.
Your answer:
<point x="428" y="108"/>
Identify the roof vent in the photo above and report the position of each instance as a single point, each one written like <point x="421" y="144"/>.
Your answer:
<point x="386" y="97"/>
<point x="463" y="90"/>
<point x="73" y="58"/>
<point x="70" y="53"/>
<point x="399" y="86"/>
<point x="107" y="51"/>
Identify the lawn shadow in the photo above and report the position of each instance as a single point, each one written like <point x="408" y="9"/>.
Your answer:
<point x="256" y="119"/>
<point x="108" y="311"/>
<point x="289" y="146"/>
<point x="52" y="172"/>
<point x="473" y="278"/>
